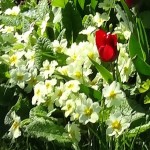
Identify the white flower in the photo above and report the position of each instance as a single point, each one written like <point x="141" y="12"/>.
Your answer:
<point x="89" y="111"/>
<point x="7" y="29"/>
<point x="74" y="131"/>
<point x="19" y="76"/>
<point x="113" y="95"/>
<point x="87" y="31"/>
<point x="72" y="86"/>
<point x="48" y="68"/>
<point x="59" y="47"/>
<point x="33" y="80"/>
<point x="14" y="11"/>
<point x="14" y="59"/>
<point x="107" y="4"/>
<point x="30" y="56"/>
<point x="60" y="95"/>
<point x="25" y="36"/>
<point x="99" y="19"/>
<point x="14" y="131"/>
<point x="44" y="23"/>
<point x="39" y="93"/>
<point x="122" y="30"/>
<point x="50" y="85"/>
<point x="69" y="107"/>
<point x="116" y="124"/>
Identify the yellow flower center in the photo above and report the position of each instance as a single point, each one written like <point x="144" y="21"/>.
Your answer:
<point x="20" y="77"/>
<point x="70" y="86"/>
<point x="88" y="111"/>
<point x="38" y="92"/>
<point x="15" y="125"/>
<point x="69" y="107"/>
<point x="112" y="94"/>
<point x="116" y="125"/>
<point x="13" y="59"/>
<point x="78" y="74"/>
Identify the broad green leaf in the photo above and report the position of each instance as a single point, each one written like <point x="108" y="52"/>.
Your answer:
<point x="144" y="15"/>
<point x="145" y="86"/>
<point x="103" y="71"/>
<point x="59" y="3"/>
<point x="142" y="38"/>
<point x="72" y="22"/>
<point x="22" y="108"/>
<point x="138" y="130"/>
<point x="128" y="12"/>
<point x="91" y="92"/>
<point x="141" y="66"/>
<point x="81" y="3"/>
<point x="134" y="48"/>
<point x="147" y="99"/>
<point x="39" y="111"/>
<point x="40" y="127"/>
<point x="5" y="4"/>
<point x="94" y="4"/>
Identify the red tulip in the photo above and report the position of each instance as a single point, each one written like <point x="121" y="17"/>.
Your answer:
<point x="130" y="3"/>
<point x="107" y="46"/>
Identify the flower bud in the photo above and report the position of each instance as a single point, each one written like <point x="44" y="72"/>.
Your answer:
<point x="107" y="46"/>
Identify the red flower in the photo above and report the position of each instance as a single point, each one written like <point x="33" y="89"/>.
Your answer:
<point x="107" y="46"/>
<point x="130" y="3"/>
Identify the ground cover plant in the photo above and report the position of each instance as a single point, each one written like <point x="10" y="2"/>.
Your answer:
<point x="74" y="74"/>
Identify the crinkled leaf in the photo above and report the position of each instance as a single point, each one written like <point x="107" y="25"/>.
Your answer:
<point x="40" y="127"/>
<point x="138" y="130"/>
<point x="40" y="111"/>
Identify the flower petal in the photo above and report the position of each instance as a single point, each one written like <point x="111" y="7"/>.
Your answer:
<point x="107" y="53"/>
<point x="100" y="38"/>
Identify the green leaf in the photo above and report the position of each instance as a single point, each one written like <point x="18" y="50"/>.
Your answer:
<point x="6" y="95"/>
<point x="81" y="3"/>
<point x="129" y="14"/>
<point x="134" y="48"/>
<point x="72" y="22"/>
<point x="22" y="108"/>
<point x="141" y="66"/>
<point x="144" y="15"/>
<point x="91" y="92"/>
<point x="39" y="111"/>
<point x="138" y="56"/>
<point x="59" y="3"/>
<point x="147" y="98"/>
<point x="103" y="71"/>
<point x="94" y="4"/>
<point x="138" y="130"/>
<point x="142" y="38"/>
<point x="5" y="4"/>
<point x="40" y="127"/>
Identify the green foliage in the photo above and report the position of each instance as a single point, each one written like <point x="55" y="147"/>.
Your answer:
<point x="71" y="22"/>
<point x="42" y="9"/>
<point x="5" y="4"/>
<point x="40" y="127"/>
<point x="103" y="71"/>
<point x="57" y="3"/>
<point x="138" y="56"/>
<point x="144" y="15"/>
<point x="7" y="95"/>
